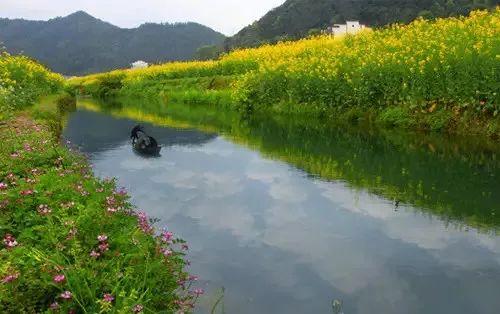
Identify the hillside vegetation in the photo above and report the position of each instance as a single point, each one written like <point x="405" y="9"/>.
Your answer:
<point x="80" y="44"/>
<point x="295" y="18"/>
<point x="440" y="75"/>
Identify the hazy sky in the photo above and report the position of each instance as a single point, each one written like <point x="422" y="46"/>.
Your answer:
<point x="226" y="16"/>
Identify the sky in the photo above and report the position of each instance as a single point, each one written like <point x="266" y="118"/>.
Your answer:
<point x="225" y="16"/>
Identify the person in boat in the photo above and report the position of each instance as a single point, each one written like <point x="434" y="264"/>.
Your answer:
<point x="143" y="142"/>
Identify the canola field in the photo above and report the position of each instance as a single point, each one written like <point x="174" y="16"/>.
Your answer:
<point x="441" y="74"/>
<point x="22" y="81"/>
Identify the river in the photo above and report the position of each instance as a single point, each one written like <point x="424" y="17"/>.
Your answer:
<point x="288" y="217"/>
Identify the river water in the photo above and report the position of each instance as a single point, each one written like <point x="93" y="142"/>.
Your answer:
<point x="283" y="217"/>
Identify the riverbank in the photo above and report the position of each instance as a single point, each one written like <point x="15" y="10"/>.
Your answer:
<point x="430" y="75"/>
<point x="70" y="241"/>
<point x="73" y="242"/>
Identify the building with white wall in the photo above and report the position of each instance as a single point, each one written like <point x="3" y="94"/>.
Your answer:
<point x="350" y="27"/>
<point x="139" y="64"/>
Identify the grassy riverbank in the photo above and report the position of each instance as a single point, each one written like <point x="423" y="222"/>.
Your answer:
<point x="437" y="75"/>
<point x="72" y="242"/>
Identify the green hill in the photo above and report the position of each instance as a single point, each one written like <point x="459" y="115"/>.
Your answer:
<point x="81" y="44"/>
<point x="295" y="18"/>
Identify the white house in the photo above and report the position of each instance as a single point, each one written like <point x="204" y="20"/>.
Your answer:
<point x="139" y="64"/>
<point x="350" y="27"/>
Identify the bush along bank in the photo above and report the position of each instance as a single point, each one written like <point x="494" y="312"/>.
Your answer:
<point x="437" y="75"/>
<point x="72" y="242"/>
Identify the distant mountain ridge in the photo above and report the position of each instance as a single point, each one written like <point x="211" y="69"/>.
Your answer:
<point x="80" y="43"/>
<point x="295" y="18"/>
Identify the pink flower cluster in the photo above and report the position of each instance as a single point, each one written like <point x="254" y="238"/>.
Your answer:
<point x="143" y="222"/>
<point x="167" y="236"/>
<point x="59" y="278"/>
<point x="27" y="192"/>
<point x="121" y="191"/>
<point x="3" y="186"/>
<point x="102" y="247"/>
<point x="10" y="278"/>
<point x="197" y="292"/>
<point x="112" y="204"/>
<point x="44" y="210"/>
<point x="66" y="295"/>
<point x="9" y="241"/>
<point x="108" y="297"/>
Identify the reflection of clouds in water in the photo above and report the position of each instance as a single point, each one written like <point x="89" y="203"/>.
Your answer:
<point x="356" y="201"/>
<point x="286" y="191"/>
<point x="408" y="225"/>
<point x="265" y="171"/>
<point x="347" y="238"/>
<point x="236" y="219"/>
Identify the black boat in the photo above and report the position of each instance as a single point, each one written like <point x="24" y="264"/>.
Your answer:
<point x="144" y="144"/>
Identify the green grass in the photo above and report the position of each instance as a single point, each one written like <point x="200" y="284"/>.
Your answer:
<point x="54" y="209"/>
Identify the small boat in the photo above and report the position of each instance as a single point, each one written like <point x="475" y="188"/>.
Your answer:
<point x="144" y="144"/>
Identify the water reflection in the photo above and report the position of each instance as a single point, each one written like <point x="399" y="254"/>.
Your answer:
<point x="282" y="241"/>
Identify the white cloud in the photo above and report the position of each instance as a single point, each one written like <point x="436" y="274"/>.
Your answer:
<point x="227" y="16"/>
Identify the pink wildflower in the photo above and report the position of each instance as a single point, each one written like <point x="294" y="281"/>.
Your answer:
<point x="10" y="278"/>
<point x="59" y="278"/>
<point x="108" y="297"/>
<point x="95" y="254"/>
<point x="3" y="186"/>
<point x="166" y="252"/>
<point x="110" y="200"/>
<point x="138" y="308"/>
<point x="14" y="155"/>
<point x="122" y="191"/>
<point x="185" y="247"/>
<point x="66" y="295"/>
<point x="99" y="190"/>
<point x="112" y="210"/>
<point x="27" y="147"/>
<point x="193" y="278"/>
<point x="167" y="236"/>
<point x="103" y="247"/>
<point x="102" y="238"/>
<point x="9" y="241"/>
<point x="143" y="222"/>
<point x="27" y="192"/>
<point x="198" y="291"/>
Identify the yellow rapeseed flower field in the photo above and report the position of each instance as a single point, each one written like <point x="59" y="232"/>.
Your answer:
<point x="447" y="63"/>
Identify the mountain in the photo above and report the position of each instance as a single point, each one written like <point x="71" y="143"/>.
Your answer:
<point x="80" y="44"/>
<point x="295" y="18"/>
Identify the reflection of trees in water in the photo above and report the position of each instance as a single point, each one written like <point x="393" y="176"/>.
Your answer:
<point x="457" y="179"/>
<point x="454" y="178"/>
<point x="95" y="132"/>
